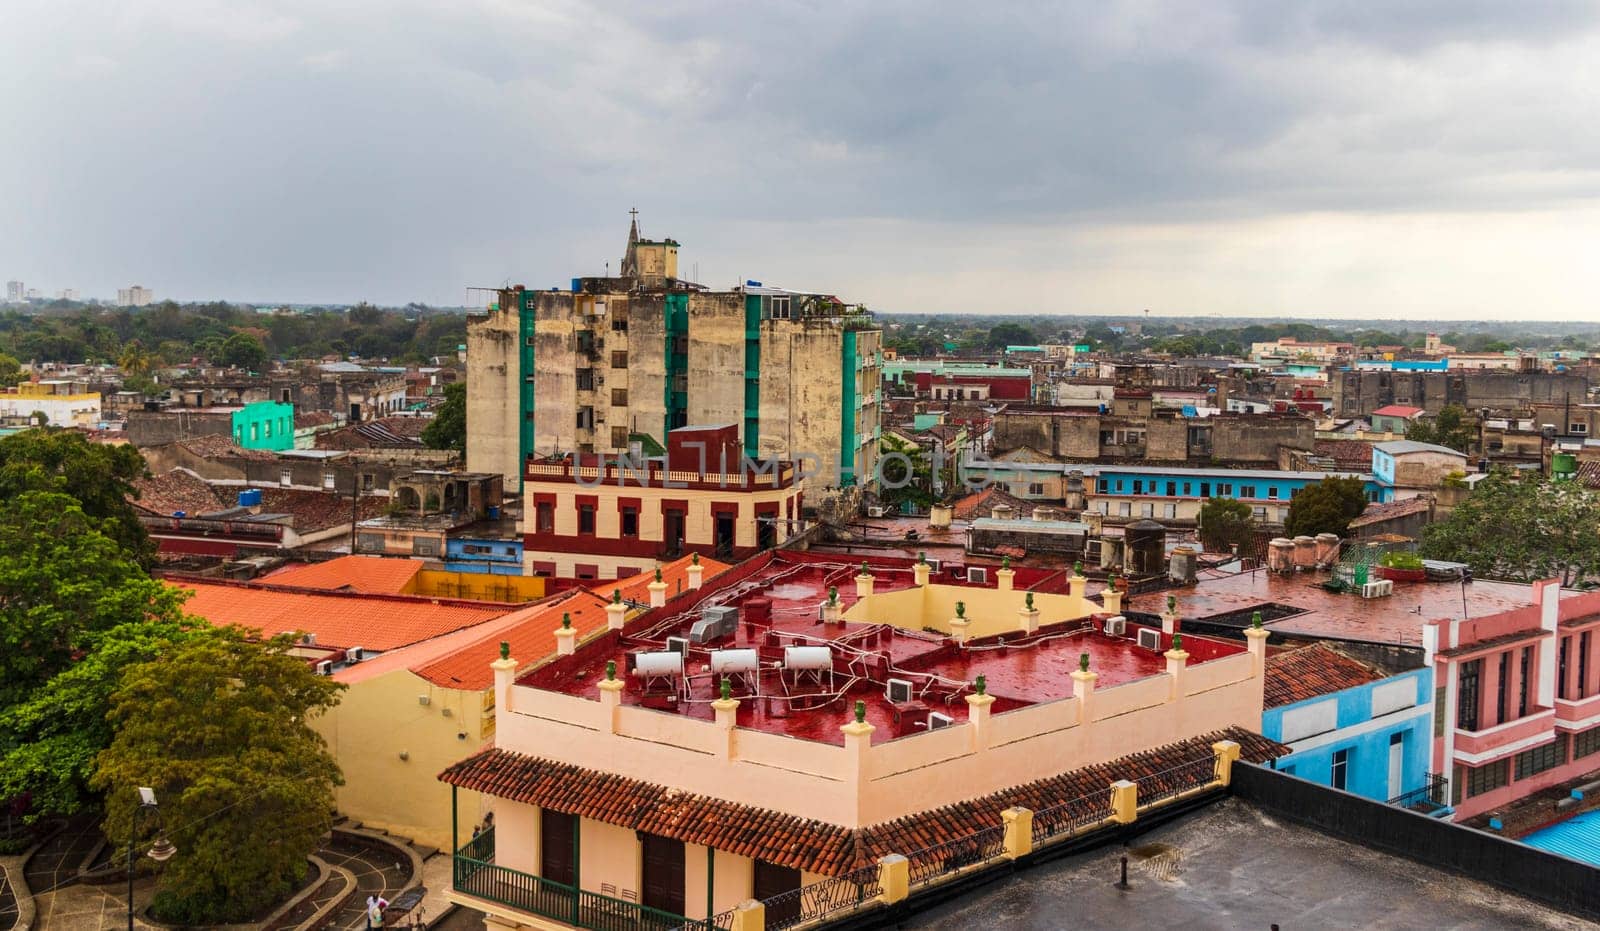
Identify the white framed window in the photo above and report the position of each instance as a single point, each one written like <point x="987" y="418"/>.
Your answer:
<point x="1578" y="428"/>
<point x="285" y="478"/>
<point x="780" y="308"/>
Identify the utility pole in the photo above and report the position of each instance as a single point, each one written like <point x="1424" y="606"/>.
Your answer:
<point x="355" y="500"/>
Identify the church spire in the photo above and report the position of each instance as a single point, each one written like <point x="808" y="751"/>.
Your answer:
<point x="630" y="258"/>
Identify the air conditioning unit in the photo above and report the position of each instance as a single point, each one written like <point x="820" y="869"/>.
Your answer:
<point x="355" y="655"/>
<point x="977" y="574"/>
<point x="937" y="720"/>
<point x="309" y="640"/>
<point x="897" y="690"/>
<point x="716" y="621"/>
<point x="875" y="511"/>
<point x="325" y="668"/>
<point x="424" y="700"/>
<point x="933" y="565"/>
<point x="1150" y="639"/>
<point x="678" y="645"/>
<point x="1377" y="589"/>
<point x="1116" y="626"/>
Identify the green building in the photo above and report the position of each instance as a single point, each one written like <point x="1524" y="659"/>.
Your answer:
<point x="264" y="425"/>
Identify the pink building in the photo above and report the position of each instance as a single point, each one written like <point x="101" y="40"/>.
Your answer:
<point x="1519" y="698"/>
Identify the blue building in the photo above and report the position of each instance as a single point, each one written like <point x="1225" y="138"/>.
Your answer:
<point x="484" y="554"/>
<point x="1350" y="726"/>
<point x="1162" y="493"/>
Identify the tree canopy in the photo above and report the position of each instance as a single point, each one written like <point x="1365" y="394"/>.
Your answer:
<point x="1449" y="428"/>
<point x="448" y="429"/>
<point x="75" y="608"/>
<point x="1010" y="334"/>
<point x="1226" y="522"/>
<point x="1327" y="506"/>
<point x="99" y="476"/>
<point x="219" y="728"/>
<point x="1522" y="528"/>
<point x="906" y="475"/>
<point x="243" y="350"/>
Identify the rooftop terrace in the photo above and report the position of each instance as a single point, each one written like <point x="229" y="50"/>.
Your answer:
<point x="901" y="631"/>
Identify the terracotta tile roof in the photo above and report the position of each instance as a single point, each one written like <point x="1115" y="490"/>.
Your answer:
<point x="1346" y="454"/>
<point x="676" y="574"/>
<point x="383" y="433"/>
<point x="802" y="843"/>
<point x="982" y="504"/>
<point x="371" y="575"/>
<point x="177" y="490"/>
<point x="1378" y="513"/>
<point x="532" y="635"/>
<point x="220" y="446"/>
<point x="1313" y="671"/>
<point x="306" y="419"/>
<point x="376" y="622"/>
<point x="317" y="510"/>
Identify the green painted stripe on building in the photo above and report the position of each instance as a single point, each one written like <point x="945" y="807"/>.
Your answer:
<point x="847" y="408"/>
<point x="676" y="308"/>
<point x="525" y="331"/>
<point x="752" y="375"/>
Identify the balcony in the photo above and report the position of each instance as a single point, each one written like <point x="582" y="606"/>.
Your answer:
<point x="1577" y="713"/>
<point x="1431" y="799"/>
<point x="474" y="875"/>
<point x="1476" y="747"/>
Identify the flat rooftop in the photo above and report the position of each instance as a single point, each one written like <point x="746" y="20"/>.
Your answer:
<point x="1232" y="866"/>
<point x="1018" y="671"/>
<point x="1297" y="604"/>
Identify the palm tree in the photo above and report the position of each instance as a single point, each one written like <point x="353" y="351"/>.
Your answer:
<point x="134" y="359"/>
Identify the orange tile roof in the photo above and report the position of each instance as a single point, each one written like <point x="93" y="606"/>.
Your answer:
<point x="1313" y="671"/>
<point x="676" y="574"/>
<point x="533" y="636"/>
<point x="375" y="622"/>
<point x="369" y="575"/>
<point x="808" y="844"/>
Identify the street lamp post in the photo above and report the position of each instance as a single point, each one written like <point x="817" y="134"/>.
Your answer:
<point x="161" y="851"/>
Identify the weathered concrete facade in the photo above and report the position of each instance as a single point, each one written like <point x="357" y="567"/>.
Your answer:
<point x="1359" y="392"/>
<point x="616" y="362"/>
<point x="1076" y="435"/>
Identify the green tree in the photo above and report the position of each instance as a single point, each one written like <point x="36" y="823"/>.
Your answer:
<point x="448" y="429"/>
<point x="219" y="728"/>
<point x="98" y="475"/>
<point x="1449" y="428"/>
<point x="1522" y="528"/>
<point x="75" y="607"/>
<point x="906" y="475"/>
<point x="135" y="359"/>
<point x="244" y="351"/>
<point x="1327" y="506"/>
<point x="1226" y="522"/>
<point x="1009" y="334"/>
<point x="10" y="371"/>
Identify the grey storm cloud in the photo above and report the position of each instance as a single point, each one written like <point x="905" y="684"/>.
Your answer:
<point x="339" y="149"/>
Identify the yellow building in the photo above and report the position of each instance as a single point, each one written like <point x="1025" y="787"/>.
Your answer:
<point x="61" y="405"/>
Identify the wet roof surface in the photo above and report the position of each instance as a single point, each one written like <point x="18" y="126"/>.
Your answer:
<point x="1318" y="612"/>
<point x="1230" y="866"/>
<point x="1016" y="673"/>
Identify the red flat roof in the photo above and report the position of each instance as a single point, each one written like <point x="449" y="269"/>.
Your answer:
<point x="1297" y="604"/>
<point x="1018" y="671"/>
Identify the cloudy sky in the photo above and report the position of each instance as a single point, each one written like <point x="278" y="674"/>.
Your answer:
<point x="1409" y="158"/>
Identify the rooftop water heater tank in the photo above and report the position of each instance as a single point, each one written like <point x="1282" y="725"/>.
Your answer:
<point x="663" y="663"/>
<point x="728" y="661"/>
<point x="807" y="658"/>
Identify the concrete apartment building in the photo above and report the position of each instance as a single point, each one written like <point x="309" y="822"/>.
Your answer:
<point x="591" y="520"/>
<point x="614" y="363"/>
<point x="1549" y="396"/>
<point x="1131" y="428"/>
<point x="61" y="402"/>
<point x="136" y="295"/>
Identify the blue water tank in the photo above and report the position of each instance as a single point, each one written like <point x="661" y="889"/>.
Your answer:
<point x="250" y="497"/>
<point x="751" y="283"/>
<point x="576" y="283"/>
<point x="494" y="512"/>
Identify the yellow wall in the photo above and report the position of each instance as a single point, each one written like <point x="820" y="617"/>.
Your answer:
<point x="378" y="718"/>
<point x="989" y="611"/>
<point x="476" y="586"/>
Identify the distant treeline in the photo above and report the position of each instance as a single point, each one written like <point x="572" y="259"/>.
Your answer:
<point x="173" y="334"/>
<point x="928" y="334"/>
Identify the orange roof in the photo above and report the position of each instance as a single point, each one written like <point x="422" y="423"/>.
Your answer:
<point x="375" y="622"/>
<point x="370" y="575"/>
<point x="676" y="574"/>
<point x="532" y="637"/>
